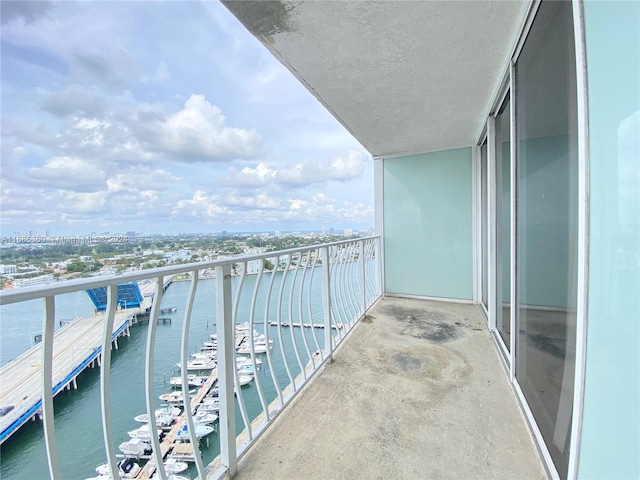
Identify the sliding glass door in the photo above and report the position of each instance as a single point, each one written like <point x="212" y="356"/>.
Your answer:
<point x="546" y="226"/>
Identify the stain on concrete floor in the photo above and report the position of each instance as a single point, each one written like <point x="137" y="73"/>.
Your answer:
<point x="427" y="324"/>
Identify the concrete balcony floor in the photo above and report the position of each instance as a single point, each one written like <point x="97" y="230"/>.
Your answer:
<point x="416" y="391"/>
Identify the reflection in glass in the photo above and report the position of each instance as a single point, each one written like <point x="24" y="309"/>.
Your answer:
<point x="503" y="219"/>
<point x="547" y="196"/>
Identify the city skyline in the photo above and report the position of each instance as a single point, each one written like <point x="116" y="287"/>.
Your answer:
<point x="164" y="118"/>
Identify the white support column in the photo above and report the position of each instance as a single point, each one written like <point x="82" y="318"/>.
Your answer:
<point x="47" y="386"/>
<point x="363" y="285"/>
<point x="378" y="211"/>
<point x="226" y="364"/>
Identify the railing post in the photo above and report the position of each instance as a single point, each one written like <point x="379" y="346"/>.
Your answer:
<point x="47" y="386"/>
<point x="363" y="285"/>
<point x="326" y="303"/>
<point x="226" y="346"/>
<point x="105" y="378"/>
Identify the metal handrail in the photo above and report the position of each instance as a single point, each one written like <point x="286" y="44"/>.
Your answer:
<point x="349" y="283"/>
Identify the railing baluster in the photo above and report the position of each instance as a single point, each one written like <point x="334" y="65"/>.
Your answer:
<point x="184" y="373"/>
<point x="310" y="307"/>
<point x="148" y="378"/>
<point x="350" y="285"/>
<point x="300" y="308"/>
<point x="326" y="303"/>
<point x="371" y="272"/>
<point x="267" y="324"/>
<point x="47" y="387"/>
<point x="239" y="397"/>
<point x="105" y="378"/>
<point x="252" y="311"/>
<point x="339" y="283"/>
<point x="279" y="317"/>
<point x="291" y="319"/>
<point x="226" y="368"/>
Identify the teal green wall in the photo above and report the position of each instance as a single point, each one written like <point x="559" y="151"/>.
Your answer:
<point x="428" y="231"/>
<point x="611" y="428"/>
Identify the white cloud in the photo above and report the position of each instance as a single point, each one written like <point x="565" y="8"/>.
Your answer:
<point x="143" y="179"/>
<point x="67" y="173"/>
<point x="339" y="167"/>
<point x="200" y="131"/>
<point x="201" y="205"/>
<point x="74" y="99"/>
<point x="100" y="129"/>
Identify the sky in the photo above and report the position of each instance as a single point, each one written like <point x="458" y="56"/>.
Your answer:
<point x="163" y="118"/>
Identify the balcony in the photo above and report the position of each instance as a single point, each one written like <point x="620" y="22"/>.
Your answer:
<point x="302" y="303"/>
<point x="417" y="391"/>
<point x="412" y="388"/>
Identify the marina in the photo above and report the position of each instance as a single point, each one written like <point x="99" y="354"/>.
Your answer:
<point x="279" y="358"/>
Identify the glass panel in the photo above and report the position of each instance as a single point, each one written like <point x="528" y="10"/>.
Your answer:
<point x="503" y="222"/>
<point x="546" y="224"/>
<point x="428" y="224"/>
<point x="484" y="215"/>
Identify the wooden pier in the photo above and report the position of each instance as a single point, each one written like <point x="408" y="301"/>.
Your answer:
<point x="168" y="444"/>
<point x="76" y="346"/>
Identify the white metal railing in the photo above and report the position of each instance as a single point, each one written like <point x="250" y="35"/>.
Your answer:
<point x="327" y="287"/>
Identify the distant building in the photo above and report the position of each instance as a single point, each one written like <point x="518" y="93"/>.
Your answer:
<point x="131" y="233"/>
<point x="331" y="231"/>
<point x="348" y="232"/>
<point x="278" y="234"/>
<point x="29" y="282"/>
<point x="7" y="269"/>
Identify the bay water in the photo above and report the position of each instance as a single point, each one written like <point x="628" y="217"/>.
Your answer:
<point x="78" y="422"/>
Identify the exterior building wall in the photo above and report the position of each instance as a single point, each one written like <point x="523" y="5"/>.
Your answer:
<point x="428" y="230"/>
<point x="610" y="442"/>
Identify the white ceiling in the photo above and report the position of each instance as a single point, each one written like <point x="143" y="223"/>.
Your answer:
<point x="402" y="77"/>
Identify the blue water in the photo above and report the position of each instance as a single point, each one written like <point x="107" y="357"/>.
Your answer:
<point x="78" y="415"/>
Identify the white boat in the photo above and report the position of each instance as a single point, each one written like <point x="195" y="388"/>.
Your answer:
<point x="246" y="370"/>
<point x="242" y="361"/>
<point x="175" y="397"/>
<point x="245" y="379"/>
<point x="144" y="433"/>
<point x="259" y="345"/>
<point x="201" y="431"/>
<point x="210" y="405"/>
<point x="192" y="380"/>
<point x="127" y="468"/>
<point x="167" y="411"/>
<point x="135" y="448"/>
<point x="204" y="417"/>
<point x="199" y="364"/>
<point x="173" y="466"/>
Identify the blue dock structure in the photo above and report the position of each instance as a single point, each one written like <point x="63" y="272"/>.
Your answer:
<point x="77" y="346"/>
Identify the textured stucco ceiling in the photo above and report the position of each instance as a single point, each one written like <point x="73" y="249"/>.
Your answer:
<point x="402" y="77"/>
